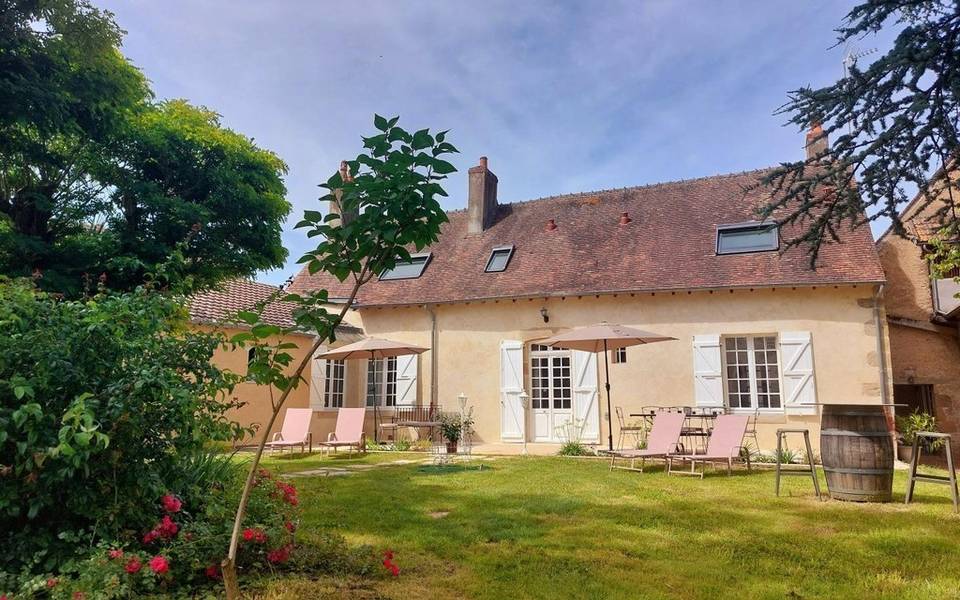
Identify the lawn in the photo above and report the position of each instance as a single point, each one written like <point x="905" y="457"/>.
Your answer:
<point x="568" y="528"/>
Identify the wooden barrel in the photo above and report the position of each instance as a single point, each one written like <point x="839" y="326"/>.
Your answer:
<point x="856" y="448"/>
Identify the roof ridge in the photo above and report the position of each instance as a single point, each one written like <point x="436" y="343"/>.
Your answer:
<point x="627" y="188"/>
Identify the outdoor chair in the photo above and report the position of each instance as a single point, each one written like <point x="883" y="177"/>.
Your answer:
<point x="725" y="446"/>
<point x="752" y="428"/>
<point x="638" y="431"/>
<point x="295" y="430"/>
<point x="349" y="431"/>
<point x="661" y="442"/>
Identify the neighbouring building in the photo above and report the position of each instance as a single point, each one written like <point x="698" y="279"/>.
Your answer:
<point x="923" y="313"/>
<point x="213" y="309"/>
<point x="756" y="326"/>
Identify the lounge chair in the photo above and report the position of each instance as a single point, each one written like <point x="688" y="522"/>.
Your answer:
<point x="295" y="430"/>
<point x="349" y="431"/>
<point x="661" y="442"/>
<point x="725" y="446"/>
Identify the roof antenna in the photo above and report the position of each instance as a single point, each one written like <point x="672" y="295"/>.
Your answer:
<point x="851" y="54"/>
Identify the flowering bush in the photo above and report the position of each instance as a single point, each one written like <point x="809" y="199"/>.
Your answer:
<point x="104" y="406"/>
<point x="184" y="545"/>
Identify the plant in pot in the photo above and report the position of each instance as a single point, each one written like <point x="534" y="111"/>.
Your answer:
<point x="453" y="427"/>
<point x="908" y="427"/>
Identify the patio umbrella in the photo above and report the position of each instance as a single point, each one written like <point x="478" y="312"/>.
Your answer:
<point x="602" y="338"/>
<point x="371" y="348"/>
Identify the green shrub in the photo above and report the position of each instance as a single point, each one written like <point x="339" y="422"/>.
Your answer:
<point x="914" y="423"/>
<point x="574" y="449"/>
<point x="106" y="404"/>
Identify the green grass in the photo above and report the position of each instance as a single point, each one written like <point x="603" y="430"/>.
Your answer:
<point x="289" y="462"/>
<point x="567" y="528"/>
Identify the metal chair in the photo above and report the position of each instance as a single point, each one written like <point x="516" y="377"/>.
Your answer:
<point x="638" y="431"/>
<point x="752" y="429"/>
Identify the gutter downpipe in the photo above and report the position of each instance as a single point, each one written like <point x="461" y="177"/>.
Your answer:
<point x="882" y="355"/>
<point x="434" y="341"/>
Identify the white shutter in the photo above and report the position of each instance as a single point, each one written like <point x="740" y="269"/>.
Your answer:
<point x="407" y="380"/>
<point x="799" y="386"/>
<point x="585" y="401"/>
<point x="707" y="370"/>
<point x="318" y="377"/>
<point x="512" y="415"/>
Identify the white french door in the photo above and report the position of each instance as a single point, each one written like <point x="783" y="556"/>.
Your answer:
<point x="551" y="395"/>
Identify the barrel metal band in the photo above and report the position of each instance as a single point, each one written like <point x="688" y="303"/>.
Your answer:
<point x="844" y="432"/>
<point x="852" y="471"/>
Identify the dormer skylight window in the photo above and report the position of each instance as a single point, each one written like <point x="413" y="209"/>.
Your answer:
<point x="499" y="259"/>
<point x="409" y="269"/>
<point x="748" y="237"/>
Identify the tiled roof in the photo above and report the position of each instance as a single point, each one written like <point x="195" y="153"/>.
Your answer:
<point x="670" y="244"/>
<point x="240" y="294"/>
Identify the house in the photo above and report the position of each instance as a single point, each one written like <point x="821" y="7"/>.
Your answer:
<point x="212" y="310"/>
<point x="757" y="328"/>
<point x="923" y="313"/>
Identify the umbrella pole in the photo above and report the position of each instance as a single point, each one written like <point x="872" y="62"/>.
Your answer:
<point x="606" y="369"/>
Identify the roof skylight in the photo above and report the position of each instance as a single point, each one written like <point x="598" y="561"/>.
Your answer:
<point x="747" y="237"/>
<point x="410" y="269"/>
<point x="499" y="259"/>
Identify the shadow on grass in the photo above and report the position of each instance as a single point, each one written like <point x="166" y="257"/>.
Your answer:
<point x="452" y="469"/>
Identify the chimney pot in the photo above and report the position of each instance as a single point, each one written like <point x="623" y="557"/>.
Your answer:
<point x="551" y="225"/>
<point x="625" y="218"/>
<point x="483" y="162"/>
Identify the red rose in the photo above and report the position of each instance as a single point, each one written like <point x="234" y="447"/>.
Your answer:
<point x="133" y="565"/>
<point x="279" y="555"/>
<point x="290" y="526"/>
<point x="388" y="554"/>
<point x="115" y="553"/>
<point x="52" y="582"/>
<point x="171" y="503"/>
<point x="167" y="527"/>
<point x="248" y="534"/>
<point x="213" y="572"/>
<point x="395" y="570"/>
<point x="159" y="565"/>
<point x="150" y="536"/>
<point x="80" y="595"/>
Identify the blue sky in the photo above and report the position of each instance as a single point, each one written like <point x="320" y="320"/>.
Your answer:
<point x="561" y="96"/>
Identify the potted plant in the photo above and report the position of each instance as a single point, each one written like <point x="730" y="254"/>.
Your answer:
<point x="908" y="427"/>
<point x="453" y="427"/>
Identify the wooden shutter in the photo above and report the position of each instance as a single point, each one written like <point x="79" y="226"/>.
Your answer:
<point x="318" y="379"/>
<point x="799" y="385"/>
<point x="512" y="416"/>
<point x="707" y="370"/>
<point x="407" y="380"/>
<point x="586" y="410"/>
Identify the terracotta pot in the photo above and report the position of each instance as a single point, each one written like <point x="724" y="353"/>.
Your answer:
<point x="451" y="447"/>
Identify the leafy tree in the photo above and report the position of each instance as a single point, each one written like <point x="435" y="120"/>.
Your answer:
<point x="894" y="127"/>
<point x="97" y="180"/>
<point x="392" y="191"/>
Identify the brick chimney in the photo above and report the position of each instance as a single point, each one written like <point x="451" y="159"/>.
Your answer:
<point x="817" y="143"/>
<point x="481" y="197"/>
<point x="335" y="208"/>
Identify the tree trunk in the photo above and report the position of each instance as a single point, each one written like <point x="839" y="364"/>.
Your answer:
<point x="229" y="564"/>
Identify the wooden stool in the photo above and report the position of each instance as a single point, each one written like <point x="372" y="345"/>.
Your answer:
<point x="950" y="479"/>
<point x="804" y="470"/>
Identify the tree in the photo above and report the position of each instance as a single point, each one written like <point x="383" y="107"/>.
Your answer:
<point x="894" y="127"/>
<point x="392" y="193"/>
<point x="99" y="181"/>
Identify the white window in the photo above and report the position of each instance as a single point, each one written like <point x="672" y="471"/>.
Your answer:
<point x="549" y="378"/>
<point x="381" y="382"/>
<point x="747" y="237"/>
<point x="752" y="372"/>
<point x="409" y="269"/>
<point x="499" y="259"/>
<point x="333" y="384"/>
<point x="619" y="355"/>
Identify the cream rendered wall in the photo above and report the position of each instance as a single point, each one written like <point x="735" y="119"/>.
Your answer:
<point x="840" y="319"/>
